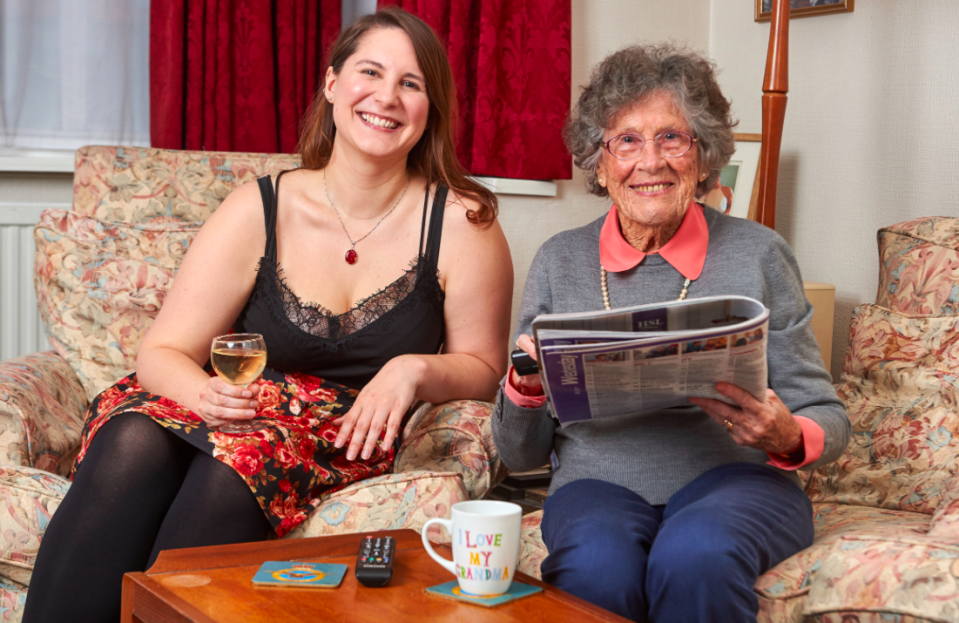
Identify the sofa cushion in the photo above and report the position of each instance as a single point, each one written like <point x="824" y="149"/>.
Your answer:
<point x="41" y="412"/>
<point x="896" y="577"/>
<point x="100" y="285"/>
<point x="29" y="498"/>
<point x="388" y="502"/>
<point x="793" y="576"/>
<point x="137" y="185"/>
<point x="901" y="390"/>
<point x="919" y="267"/>
<point x="13" y="597"/>
<point x="532" y="550"/>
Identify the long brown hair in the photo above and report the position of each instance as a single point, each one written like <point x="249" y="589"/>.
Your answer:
<point x="434" y="155"/>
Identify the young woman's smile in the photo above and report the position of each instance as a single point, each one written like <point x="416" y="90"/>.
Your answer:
<point x="380" y="104"/>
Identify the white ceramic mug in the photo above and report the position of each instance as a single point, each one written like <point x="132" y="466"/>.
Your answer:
<point x="485" y="545"/>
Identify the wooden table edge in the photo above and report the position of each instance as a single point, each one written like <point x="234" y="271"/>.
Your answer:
<point x="167" y="563"/>
<point x="154" y="591"/>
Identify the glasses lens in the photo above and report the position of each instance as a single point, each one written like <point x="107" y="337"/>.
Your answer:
<point x="626" y="146"/>
<point x="672" y="144"/>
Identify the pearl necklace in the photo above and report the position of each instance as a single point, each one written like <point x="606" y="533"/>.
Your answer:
<point x="351" y="255"/>
<point x="682" y="295"/>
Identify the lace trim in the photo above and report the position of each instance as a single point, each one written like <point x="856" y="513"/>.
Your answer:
<point x="336" y="332"/>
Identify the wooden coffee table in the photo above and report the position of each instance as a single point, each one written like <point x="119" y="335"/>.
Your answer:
<point x="213" y="585"/>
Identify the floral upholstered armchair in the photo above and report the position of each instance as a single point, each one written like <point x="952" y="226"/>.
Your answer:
<point x="887" y="512"/>
<point x="102" y="270"/>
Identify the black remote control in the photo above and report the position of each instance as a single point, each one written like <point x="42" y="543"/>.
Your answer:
<point x="523" y="363"/>
<point x="374" y="563"/>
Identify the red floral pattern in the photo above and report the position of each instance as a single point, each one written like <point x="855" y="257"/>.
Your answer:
<point x="288" y="465"/>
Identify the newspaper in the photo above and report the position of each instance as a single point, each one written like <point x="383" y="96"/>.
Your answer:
<point x="638" y="359"/>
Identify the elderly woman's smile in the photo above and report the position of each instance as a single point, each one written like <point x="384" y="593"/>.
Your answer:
<point x="651" y="191"/>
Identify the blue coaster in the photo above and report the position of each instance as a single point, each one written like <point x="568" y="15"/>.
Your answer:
<point x="300" y="574"/>
<point x="451" y="590"/>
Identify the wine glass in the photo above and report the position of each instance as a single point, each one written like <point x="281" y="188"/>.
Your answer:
<point x="238" y="359"/>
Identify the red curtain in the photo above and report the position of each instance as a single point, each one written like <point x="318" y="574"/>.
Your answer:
<point x="236" y="75"/>
<point x="511" y="64"/>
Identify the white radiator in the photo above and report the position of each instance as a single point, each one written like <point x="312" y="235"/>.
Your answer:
<point x="21" y="330"/>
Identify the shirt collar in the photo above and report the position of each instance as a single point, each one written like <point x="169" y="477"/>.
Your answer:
<point x="685" y="251"/>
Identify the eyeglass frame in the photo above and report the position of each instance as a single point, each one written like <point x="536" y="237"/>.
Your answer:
<point x="692" y="141"/>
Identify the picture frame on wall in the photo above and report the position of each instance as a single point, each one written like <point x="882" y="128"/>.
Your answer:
<point x="804" y="8"/>
<point x="736" y="193"/>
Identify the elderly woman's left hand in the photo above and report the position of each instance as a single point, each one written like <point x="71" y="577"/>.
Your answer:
<point x="766" y="425"/>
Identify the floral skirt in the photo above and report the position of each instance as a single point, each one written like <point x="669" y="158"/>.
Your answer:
<point x="289" y="465"/>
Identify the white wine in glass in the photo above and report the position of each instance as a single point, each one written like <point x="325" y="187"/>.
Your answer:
<point x="238" y="359"/>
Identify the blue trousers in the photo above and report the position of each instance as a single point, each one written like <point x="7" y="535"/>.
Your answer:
<point x="695" y="559"/>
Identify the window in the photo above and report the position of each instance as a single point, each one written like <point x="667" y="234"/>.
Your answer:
<point x="74" y="72"/>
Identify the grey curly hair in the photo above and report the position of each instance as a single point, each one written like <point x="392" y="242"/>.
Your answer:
<point x="632" y="74"/>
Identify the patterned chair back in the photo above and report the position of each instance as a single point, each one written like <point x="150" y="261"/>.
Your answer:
<point x="103" y="269"/>
<point x="901" y="378"/>
<point x="919" y="267"/>
<point x="137" y="185"/>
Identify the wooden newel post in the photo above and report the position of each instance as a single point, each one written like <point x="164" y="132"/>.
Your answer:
<point x="775" y="87"/>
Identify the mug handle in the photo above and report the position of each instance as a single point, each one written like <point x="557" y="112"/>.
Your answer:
<point x="446" y="523"/>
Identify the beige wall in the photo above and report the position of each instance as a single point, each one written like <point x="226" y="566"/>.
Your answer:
<point x="599" y="27"/>
<point x="871" y="135"/>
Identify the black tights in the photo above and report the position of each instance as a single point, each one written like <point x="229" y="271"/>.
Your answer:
<point x="140" y="489"/>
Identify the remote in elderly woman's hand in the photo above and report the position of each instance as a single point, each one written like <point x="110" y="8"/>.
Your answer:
<point x="765" y="425"/>
<point x="529" y="385"/>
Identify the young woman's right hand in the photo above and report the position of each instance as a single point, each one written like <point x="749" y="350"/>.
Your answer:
<point x="222" y="403"/>
<point x="531" y="384"/>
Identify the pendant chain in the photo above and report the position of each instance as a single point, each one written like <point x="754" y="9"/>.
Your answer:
<point x="351" y="256"/>
<point x="682" y="294"/>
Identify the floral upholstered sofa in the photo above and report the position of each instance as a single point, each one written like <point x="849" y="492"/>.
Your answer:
<point x="102" y="270"/>
<point x="887" y="512"/>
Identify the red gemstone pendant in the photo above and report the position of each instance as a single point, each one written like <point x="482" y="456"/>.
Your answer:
<point x="351" y="257"/>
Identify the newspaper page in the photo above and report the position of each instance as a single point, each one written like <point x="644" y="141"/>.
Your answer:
<point x="639" y="359"/>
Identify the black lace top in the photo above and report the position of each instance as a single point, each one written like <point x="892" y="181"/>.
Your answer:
<point x="405" y="317"/>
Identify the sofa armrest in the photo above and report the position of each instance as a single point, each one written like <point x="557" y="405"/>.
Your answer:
<point x="945" y="521"/>
<point x="41" y="412"/>
<point x="456" y="437"/>
<point x="909" y="578"/>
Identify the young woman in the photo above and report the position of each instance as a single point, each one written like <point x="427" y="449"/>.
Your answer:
<point x="378" y="276"/>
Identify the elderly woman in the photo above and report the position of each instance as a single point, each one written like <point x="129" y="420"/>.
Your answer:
<point x="670" y="515"/>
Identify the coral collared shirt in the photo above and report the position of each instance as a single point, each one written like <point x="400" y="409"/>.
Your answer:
<point x="686" y="252"/>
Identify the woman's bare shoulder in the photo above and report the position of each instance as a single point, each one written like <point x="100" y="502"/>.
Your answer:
<point x="456" y="218"/>
<point x="464" y="241"/>
<point x="242" y="208"/>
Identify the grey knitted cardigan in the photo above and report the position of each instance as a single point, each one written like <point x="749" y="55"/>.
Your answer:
<point x="655" y="454"/>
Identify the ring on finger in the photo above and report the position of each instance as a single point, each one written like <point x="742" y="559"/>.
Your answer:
<point x="728" y="425"/>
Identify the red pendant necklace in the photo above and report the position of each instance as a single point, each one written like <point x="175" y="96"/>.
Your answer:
<point x="351" y="255"/>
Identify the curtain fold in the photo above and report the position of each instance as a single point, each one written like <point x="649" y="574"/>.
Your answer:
<point x="511" y="65"/>
<point x="235" y="75"/>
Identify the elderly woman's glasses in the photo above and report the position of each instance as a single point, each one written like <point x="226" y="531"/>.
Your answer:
<point x="670" y="144"/>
